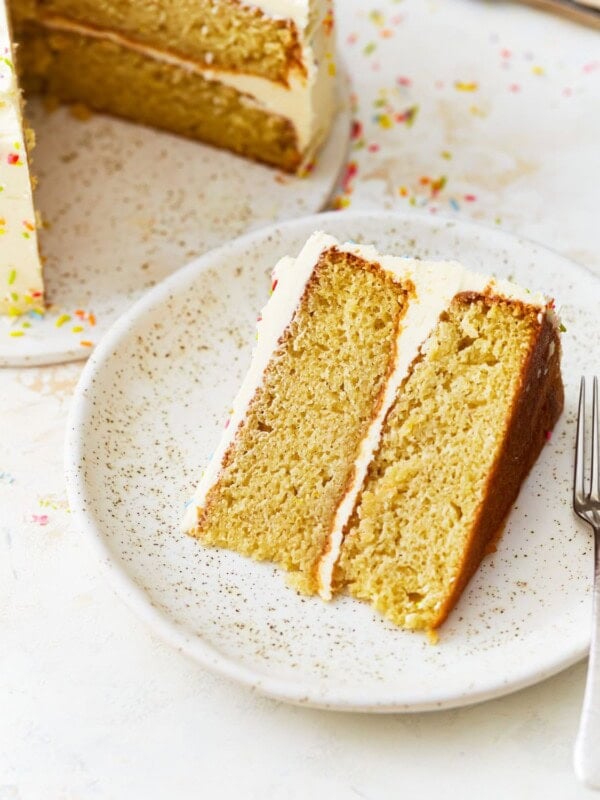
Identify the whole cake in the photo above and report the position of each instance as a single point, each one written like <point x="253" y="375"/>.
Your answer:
<point x="256" y="78"/>
<point x="391" y="412"/>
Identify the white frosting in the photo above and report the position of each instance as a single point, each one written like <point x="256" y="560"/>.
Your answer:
<point x="308" y="101"/>
<point x="297" y="10"/>
<point x="435" y="283"/>
<point x="20" y="268"/>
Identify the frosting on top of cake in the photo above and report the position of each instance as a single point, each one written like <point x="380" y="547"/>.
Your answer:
<point x="435" y="285"/>
<point x="20" y="268"/>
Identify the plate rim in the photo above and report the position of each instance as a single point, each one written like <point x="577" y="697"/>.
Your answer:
<point x="171" y="631"/>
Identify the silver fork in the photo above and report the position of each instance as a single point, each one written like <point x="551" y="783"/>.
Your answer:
<point x="587" y="506"/>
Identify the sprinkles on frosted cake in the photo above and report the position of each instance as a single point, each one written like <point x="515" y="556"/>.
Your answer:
<point x="21" y="284"/>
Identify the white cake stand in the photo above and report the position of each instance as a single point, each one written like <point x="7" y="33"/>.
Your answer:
<point x="124" y="206"/>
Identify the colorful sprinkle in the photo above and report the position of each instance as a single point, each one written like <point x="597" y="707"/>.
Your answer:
<point x="12" y="276"/>
<point x="466" y="86"/>
<point x="62" y="319"/>
<point x="384" y="121"/>
<point x="357" y="129"/>
<point x="438" y="184"/>
<point x="86" y="343"/>
<point x="40" y="519"/>
<point x="13" y="158"/>
<point x="340" y="202"/>
<point x="408" y="117"/>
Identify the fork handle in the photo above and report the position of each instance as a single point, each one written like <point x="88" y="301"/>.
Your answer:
<point x="587" y="745"/>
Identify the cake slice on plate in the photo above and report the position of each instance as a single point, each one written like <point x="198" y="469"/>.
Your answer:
<point x="392" y="410"/>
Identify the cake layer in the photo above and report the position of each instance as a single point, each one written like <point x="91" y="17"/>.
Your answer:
<point x="228" y="35"/>
<point x="456" y="445"/>
<point x="107" y="76"/>
<point x="284" y="475"/>
<point x="21" y="285"/>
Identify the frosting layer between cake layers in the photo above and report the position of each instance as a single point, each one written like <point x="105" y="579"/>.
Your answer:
<point x="435" y="285"/>
<point x="20" y="268"/>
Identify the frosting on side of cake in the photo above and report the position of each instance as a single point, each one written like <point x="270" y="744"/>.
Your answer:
<point x="21" y="284"/>
<point x="436" y="283"/>
<point x="308" y="101"/>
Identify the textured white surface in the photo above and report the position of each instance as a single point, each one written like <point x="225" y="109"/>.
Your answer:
<point x="92" y="706"/>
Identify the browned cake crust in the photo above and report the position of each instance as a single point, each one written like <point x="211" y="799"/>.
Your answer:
<point x="538" y="405"/>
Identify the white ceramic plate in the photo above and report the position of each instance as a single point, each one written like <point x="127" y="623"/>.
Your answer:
<point x="149" y="410"/>
<point x="125" y="206"/>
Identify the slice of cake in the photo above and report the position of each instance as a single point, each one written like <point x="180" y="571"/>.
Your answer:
<point x="392" y="410"/>
<point x="20" y="268"/>
<point x="256" y="78"/>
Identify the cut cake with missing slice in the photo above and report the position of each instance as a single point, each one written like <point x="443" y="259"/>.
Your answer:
<point x="392" y="410"/>
<point x="256" y="78"/>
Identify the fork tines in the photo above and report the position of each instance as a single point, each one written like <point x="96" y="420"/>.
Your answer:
<point x="587" y="504"/>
